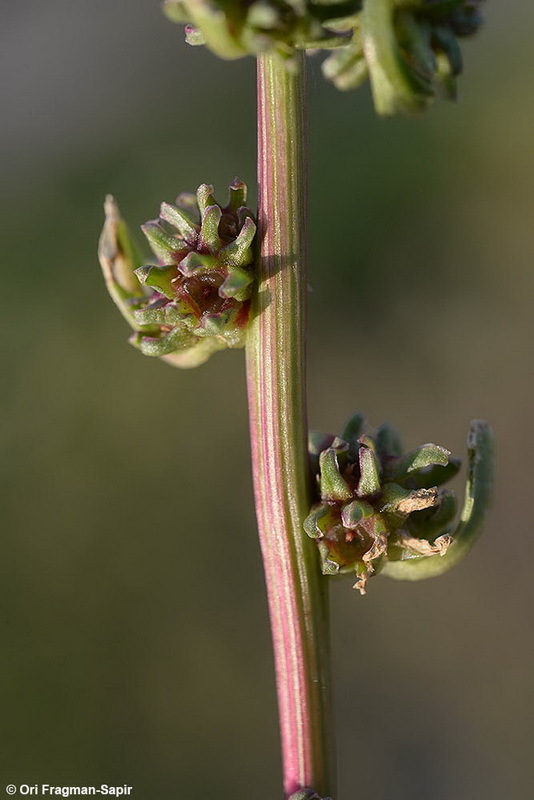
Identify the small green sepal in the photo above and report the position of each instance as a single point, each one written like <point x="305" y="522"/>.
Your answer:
<point x="210" y="241"/>
<point x="195" y="264"/>
<point x="239" y="252"/>
<point x="237" y="195"/>
<point x="333" y="485"/>
<point x="182" y="221"/>
<point x="238" y="284"/>
<point x="166" y="248"/>
<point x="204" y="197"/>
<point x="369" y="482"/>
<point x="160" y="278"/>
<point x="427" y="455"/>
<point x="316" y="523"/>
<point x="354" y="512"/>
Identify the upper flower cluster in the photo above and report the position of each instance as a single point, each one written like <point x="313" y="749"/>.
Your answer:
<point x="381" y="510"/>
<point x="200" y="288"/>
<point x="408" y="48"/>
<point x="234" y="28"/>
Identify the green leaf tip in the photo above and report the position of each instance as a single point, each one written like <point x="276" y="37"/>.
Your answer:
<point x="378" y="512"/>
<point x="196" y="300"/>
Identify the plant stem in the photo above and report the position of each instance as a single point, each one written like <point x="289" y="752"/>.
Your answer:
<point x="278" y="424"/>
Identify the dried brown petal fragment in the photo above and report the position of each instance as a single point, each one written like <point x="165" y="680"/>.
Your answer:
<point x="424" y="548"/>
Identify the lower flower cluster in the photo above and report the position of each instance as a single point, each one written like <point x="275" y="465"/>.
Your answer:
<point x="381" y="508"/>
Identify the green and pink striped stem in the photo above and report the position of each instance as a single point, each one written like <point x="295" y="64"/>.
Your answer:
<point x="278" y="423"/>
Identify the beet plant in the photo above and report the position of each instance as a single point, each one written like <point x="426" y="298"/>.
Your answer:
<point x="222" y="275"/>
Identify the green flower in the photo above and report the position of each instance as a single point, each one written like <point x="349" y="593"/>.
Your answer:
<point x="198" y="299"/>
<point x="380" y="510"/>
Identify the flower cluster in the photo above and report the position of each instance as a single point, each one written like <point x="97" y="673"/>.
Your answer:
<point x="408" y="48"/>
<point x="381" y="509"/>
<point x="234" y="28"/>
<point x="201" y="285"/>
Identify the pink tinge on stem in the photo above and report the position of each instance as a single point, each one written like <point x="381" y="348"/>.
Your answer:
<point x="276" y="387"/>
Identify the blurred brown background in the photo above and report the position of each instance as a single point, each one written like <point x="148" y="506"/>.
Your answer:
<point x="136" y="642"/>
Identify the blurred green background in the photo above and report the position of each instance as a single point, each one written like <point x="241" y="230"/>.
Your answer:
<point x="136" y="642"/>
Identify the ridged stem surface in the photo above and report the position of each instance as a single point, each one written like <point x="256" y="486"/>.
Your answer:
<point x="278" y="421"/>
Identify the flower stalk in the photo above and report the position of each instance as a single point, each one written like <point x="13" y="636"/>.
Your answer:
<point x="278" y="425"/>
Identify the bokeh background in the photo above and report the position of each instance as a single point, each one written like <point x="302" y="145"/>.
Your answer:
<point x="136" y="646"/>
